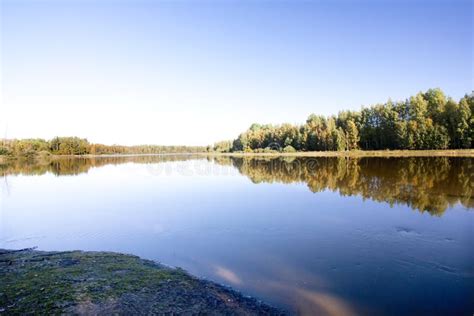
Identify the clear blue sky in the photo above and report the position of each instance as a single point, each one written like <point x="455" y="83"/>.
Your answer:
<point x="194" y="72"/>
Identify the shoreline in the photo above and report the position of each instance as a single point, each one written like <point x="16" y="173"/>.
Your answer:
<point x="89" y="282"/>
<point x="467" y="153"/>
<point x="360" y="153"/>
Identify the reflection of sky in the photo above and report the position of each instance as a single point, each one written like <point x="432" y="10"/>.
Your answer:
<point x="279" y="242"/>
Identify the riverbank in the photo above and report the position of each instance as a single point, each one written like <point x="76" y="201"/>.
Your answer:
<point x="77" y="282"/>
<point x="352" y="153"/>
<point x="359" y="153"/>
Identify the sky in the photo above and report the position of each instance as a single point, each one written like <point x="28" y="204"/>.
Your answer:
<point x="196" y="72"/>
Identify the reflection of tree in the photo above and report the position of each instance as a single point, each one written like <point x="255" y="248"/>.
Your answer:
<point x="77" y="165"/>
<point x="426" y="184"/>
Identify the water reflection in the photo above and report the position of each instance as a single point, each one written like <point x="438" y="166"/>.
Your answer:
<point x="63" y="166"/>
<point x="425" y="184"/>
<point x="228" y="275"/>
<point x="325" y="253"/>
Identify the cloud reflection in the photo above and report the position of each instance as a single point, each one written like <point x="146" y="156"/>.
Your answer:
<point x="228" y="275"/>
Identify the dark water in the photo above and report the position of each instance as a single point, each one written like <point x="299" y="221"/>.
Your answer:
<point x="333" y="236"/>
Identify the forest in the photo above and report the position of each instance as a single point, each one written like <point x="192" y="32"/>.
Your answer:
<point x="428" y="120"/>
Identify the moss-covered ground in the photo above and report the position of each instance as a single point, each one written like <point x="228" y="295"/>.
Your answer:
<point x="76" y="282"/>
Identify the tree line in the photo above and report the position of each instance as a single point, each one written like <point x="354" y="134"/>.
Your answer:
<point x="80" y="146"/>
<point x="428" y="120"/>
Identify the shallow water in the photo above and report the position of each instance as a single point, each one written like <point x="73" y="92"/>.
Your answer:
<point x="335" y="236"/>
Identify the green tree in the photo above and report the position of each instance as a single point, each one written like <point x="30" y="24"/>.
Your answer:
<point x="436" y="102"/>
<point x="352" y="135"/>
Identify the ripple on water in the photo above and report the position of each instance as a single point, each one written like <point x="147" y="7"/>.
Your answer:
<point x="406" y="231"/>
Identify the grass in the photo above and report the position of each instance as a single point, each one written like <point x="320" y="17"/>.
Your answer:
<point x="352" y="153"/>
<point x="76" y="282"/>
<point x="362" y="153"/>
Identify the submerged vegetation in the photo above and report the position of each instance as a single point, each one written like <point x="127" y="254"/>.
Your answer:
<point x="103" y="283"/>
<point x="428" y="120"/>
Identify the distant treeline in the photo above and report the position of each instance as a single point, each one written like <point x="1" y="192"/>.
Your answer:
<point x="428" y="120"/>
<point x="80" y="146"/>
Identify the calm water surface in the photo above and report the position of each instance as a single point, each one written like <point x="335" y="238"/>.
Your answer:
<point x="334" y="236"/>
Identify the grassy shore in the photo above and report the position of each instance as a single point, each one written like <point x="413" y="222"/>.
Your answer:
<point x="352" y="153"/>
<point x="92" y="283"/>
<point x="362" y="153"/>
